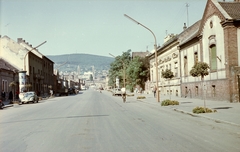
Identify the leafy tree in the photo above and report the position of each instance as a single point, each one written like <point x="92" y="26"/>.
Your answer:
<point x="137" y="73"/>
<point x="136" y="70"/>
<point x="168" y="74"/>
<point x="200" y="69"/>
<point x="117" y="67"/>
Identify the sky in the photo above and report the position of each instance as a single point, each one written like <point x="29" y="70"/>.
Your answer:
<point x="96" y="27"/>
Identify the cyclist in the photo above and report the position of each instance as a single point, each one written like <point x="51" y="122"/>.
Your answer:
<point x="123" y="90"/>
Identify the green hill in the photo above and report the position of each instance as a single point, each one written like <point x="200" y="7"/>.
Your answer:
<point x="85" y="61"/>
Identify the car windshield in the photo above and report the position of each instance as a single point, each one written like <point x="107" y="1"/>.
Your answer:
<point x="29" y="94"/>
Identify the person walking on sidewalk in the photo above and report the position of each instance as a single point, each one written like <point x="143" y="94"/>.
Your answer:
<point x="154" y="91"/>
<point x="3" y="95"/>
<point x="10" y="97"/>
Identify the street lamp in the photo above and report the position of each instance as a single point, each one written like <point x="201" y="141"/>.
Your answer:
<point x="30" y="51"/>
<point x="124" y="74"/>
<point x="155" y="48"/>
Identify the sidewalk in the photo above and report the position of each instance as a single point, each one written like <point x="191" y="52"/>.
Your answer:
<point x="7" y="104"/>
<point x="227" y="112"/>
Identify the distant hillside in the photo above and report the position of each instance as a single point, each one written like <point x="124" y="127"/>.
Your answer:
<point x="85" y="61"/>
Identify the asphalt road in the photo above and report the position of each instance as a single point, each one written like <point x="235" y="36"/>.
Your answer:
<point x="99" y="122"/>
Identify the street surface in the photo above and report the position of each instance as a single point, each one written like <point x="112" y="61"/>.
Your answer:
<point x="99" y="122"/>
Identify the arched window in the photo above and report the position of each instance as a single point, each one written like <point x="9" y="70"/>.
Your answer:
<point x="185" y="66"/>
<point x="213" y="58"/>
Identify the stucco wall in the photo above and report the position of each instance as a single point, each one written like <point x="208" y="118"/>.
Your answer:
<point x="217" y="31"/>
<point x="189" y="52"/>
<point x="12" y="52"/>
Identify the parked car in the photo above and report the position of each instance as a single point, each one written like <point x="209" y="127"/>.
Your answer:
<point x="72" y="91"/>
<point x="29" y="97"/>
<point x="117" y="92"/>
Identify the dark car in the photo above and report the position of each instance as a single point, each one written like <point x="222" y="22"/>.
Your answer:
<point x="71" y="91"/>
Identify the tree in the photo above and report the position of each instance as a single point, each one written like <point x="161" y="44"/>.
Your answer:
<point x="168" y="74"/>
<point x="200" y="69"/>
<point x="117" y="67"/>
<point x="137" y="72"/>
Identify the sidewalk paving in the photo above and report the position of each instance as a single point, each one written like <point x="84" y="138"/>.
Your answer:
<point x="7" y="104"/>
<point x="227" y="112"/>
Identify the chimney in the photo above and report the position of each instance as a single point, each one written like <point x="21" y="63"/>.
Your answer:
<point x="19" y="40"/>
<point x="184" y="27"/>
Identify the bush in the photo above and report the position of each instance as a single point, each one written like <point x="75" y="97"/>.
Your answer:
<point x="141" y="97"/>
<point x="198" y="110"/>
<point x="130" y="95"/>
<point x="168" y="102"/>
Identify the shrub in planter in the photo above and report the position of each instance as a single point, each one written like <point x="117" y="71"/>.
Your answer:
<point x="203" y="110"/>
<point x="130" y="95"/>
<point x="168" y="102"/>
<point x="141" y="97"/>
<point x="174" y="102"/>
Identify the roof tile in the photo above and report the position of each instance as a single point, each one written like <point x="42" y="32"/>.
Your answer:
<point x="232" y="8"/>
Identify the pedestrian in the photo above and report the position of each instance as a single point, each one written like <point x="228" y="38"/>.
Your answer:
<point x="10" y="96"/>
<point x="17" y="94"/>
<point x="3" y="95"/>
<point x="154" y="91"/>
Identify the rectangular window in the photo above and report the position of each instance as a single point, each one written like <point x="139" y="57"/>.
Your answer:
<point x="213" y="91"/>
<point x="185" y="66"/>
<point x="5" y="85"/>
<point x="213" y="55"/>
<point x="176" y="69"/>
<point x="195" y="57"/>
<point x="196" y="90"/>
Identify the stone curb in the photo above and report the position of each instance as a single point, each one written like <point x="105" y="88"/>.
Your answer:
<point x="209" y="118"/>
<point x="6" y="106"/>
